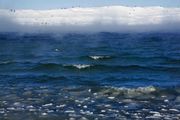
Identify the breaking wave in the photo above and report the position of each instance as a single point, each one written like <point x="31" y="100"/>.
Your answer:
<point x="99" y="57"/>
<point x="79" y="66"/>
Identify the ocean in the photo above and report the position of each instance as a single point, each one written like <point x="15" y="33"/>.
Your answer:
<point x="89" y="76"/>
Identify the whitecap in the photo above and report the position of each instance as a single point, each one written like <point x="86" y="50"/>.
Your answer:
<point x="44" y="114"/>
<point x="147" y="89"/>
<point x="84" y="106"/>
<point x="174" y="110"/>
<point x="11" y="108"/>
<point x="98" y="57"/>
<point x="46" y="105"/>
<point x="2" y="112"/>
<point x="5" y="62"/>
<point x="131" y="92"/>
<point x="86" y="112"/>
<point x="89" y="90"/>
<point x="61" y="106"/>
<point x="103" y="111"/>
<point x="81" y="66"/>
<point x="50" y="111"/>
<point x="111" y="98"/>
<point x="56" y="50"/>
<point x="32" y="110"/>
<point x="29" y="107"/>
<point x="69" y="111"/>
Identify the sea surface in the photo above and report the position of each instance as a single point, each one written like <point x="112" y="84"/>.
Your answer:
<point x="89" y="76"/>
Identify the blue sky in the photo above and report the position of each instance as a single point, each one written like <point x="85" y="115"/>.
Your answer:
<point x="52" y="4"/>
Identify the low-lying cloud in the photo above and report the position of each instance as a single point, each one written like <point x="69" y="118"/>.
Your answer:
<point x="109" y="19"/>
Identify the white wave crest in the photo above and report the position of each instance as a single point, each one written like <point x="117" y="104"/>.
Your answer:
<point x="82" y="66"/>
<point x="5" y="62"/>
<point x="147" y="89"/>
<point x="78" y="66"/>
<point x="98" y="57"/>
<point x="131" y="91"/>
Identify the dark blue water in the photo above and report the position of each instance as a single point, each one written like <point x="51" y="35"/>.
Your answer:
<point x="89" y="76"/>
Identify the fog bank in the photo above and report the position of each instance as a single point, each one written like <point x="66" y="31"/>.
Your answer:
<point x="97" y="19"/>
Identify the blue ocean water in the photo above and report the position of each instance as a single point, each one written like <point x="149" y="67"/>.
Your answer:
<point x="89" y="76"/>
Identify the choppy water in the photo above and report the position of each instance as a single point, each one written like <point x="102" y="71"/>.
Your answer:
<point x="89" y="76"/>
